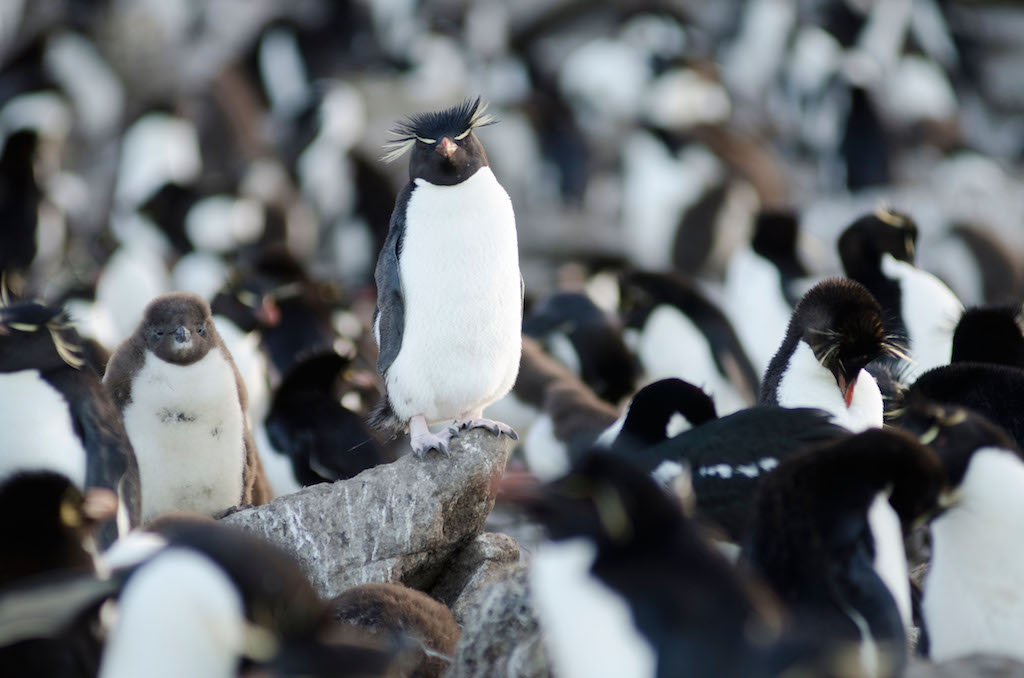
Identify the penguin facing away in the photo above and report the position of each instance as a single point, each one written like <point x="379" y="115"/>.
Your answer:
<point x="184" y="408"/>
<point x="449" y="291"/>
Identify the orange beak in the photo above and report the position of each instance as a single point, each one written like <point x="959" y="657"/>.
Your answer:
<point x="445" y="148"/>
<point x="846" y="388"/>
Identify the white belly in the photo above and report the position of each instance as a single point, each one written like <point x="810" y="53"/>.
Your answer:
<point x="807" y="384"/>
<point x="37" y="432"/>
<point x="463" y="312"/>
<point x="186" y="425"/>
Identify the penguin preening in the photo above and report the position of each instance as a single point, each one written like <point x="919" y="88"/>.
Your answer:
<point x="835" y="331"/>
<point x="449" y="291"/>
<point x="184" y="408"/>
<point x="55" y="413"/>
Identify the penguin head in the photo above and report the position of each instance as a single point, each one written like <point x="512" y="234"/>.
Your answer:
<point x="865" y="241"/>
<point x="177" y="327"/>
<point x="662" y="410"/>
<point x="954" y="433"/>
<point x="444" y="149"/>
<point x="34" y="336"/>
<point x="990" y="334"/>
<point x="775" y="238"/>
<point x="841" y="321"/>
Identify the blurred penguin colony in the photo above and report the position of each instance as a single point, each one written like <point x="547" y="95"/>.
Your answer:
<point x="769" y="408"/>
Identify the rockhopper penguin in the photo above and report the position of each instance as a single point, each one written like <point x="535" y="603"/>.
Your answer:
<point x="449" y="292"/>
<point x="184" y="407"/>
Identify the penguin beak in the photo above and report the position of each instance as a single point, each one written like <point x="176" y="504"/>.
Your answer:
<point x="445" y="148"/>
<point x="182" y="334"/>
<point x="846" y="387"/>
<point x="268" y="314"/>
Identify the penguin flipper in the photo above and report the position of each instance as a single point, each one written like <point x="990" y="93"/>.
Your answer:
<point x="389" y="318"/>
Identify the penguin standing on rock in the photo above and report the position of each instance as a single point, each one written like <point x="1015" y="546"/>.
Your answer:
<point x="449" y="291"/>
<point x="184" y="408"/>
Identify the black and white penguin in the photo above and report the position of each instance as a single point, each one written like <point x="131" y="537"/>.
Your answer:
<point x="449" y="291"/>
<point x="835" y="331"/>
<point x="207" y="598"/>
<point x="970" y="603"/>
<point x="658" y="600"/>
<point x="587" y="340"/>
<point x="826" y="534"/>
<point x="920" y="311"/>
<point x="682" y="334"/>
<point x="727" y="458"/>
<point x="184" y="408"/>
<point x="761" y="282"/>
<point x="990" y="334"/>
<point x="55" y="413"/>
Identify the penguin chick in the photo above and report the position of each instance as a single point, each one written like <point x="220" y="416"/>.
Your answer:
<point x="55" y="414"/>
<point x="919" y="310"/>
<point x="826" y="534"/>
<point x="835" y="331"/>
<point x="449" y="291"/>
<point x="392" y="609"/>
<point x="184" y="408"/>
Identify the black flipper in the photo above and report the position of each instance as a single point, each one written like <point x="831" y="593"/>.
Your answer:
<point x="389" y="318"/>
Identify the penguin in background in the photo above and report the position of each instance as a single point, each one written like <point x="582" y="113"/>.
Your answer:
<point x="587" y="340"/>
<point x="761" y="282"/>
<point x="682" y="334"/>
<point x="920" y="311"/>
<point x="184" y="408"/>
<point x="990" y="334"/>
<point x="835" y="331"/>
<point x="57" y="416"/>
<point x="449" y="292"/>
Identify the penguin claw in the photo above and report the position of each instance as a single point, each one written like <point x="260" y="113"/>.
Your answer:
<point x="495" y="427"/>
<point x="422" y="444"/>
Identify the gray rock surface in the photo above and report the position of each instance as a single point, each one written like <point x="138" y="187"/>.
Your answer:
<point x="488" y="559"/>
<point x="398" y="522"/>
<point x="500" y="635"/>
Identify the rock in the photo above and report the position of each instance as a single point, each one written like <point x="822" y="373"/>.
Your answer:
<point x="973" y="666"/>
<point x="481" y="563"/>
<point x="500" y="634"/>
<point x="398" y="522"/>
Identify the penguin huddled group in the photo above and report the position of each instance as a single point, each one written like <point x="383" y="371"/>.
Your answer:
<point x="768" y="424"/>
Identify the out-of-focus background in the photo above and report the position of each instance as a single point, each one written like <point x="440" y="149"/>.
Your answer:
<point x="148" y="145"/>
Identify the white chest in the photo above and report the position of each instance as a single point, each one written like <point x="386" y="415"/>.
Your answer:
<point x="459" y="268"/>
<point x="806" y="383"/>
<point x="186" y="425"/>
<point x="588" y="628"/>
<point x="37" y="431"/>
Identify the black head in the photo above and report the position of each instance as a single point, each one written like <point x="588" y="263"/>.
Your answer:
<point x="445" y="151"/>
<point x="842" y="323"/>
<point x="35" y="336"/>
<point x="653" y="408"/>
<point x="177" y="327"/>
<point x="990" y="334"/>
<point x="48" y="529"/>
<point x="18" y="158"/>
<point x="775" y="239"/>
<point x="953" y="433"/>
<point x="562" y="311"/>
<point x="640" y="292"/>
<point x="863" y="243"/>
